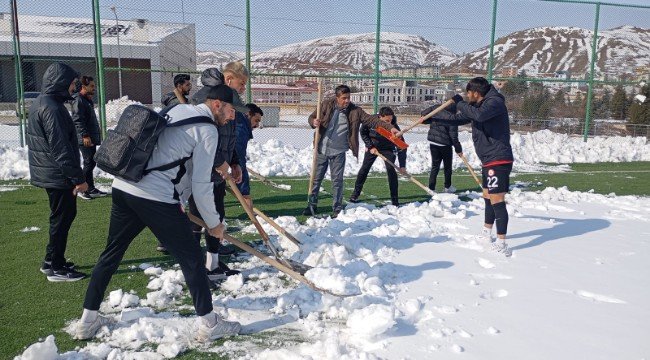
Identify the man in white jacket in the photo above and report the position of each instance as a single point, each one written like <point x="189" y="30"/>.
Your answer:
<point x="153" y="202"/>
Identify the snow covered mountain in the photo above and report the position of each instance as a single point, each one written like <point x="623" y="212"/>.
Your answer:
<point x="206" y="59"/>
<point x="352" y="53"/>
<point x="550" y="49"/>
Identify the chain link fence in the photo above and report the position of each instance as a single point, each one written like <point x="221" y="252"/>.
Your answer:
<point x="407" y="57"/>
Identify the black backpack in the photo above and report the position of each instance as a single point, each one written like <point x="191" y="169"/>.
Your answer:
<point x="127" y="148"/>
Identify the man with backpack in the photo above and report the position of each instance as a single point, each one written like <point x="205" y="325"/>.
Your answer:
<point x="54" y="165"/>
<point x="183" y="156"/>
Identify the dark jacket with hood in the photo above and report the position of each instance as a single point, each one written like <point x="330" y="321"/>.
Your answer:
<point x="85" y="119"/>
<point x="356" y="116"/>
<point x="443" y="134"/>
<point x="54" y="160"/>
<point x="490" y="126"/>
<point x="227" y="133"/>
<point x="372" y="139"/>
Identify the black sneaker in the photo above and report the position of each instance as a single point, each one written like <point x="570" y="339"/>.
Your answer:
<point x="226" y="250"/>
<point x="336" y="213"/>
<point x="162" y="248"/>
<point x="85" y="195"/>
<point x="310" y="210"/>
<point x="46" y="267"/>
<point x="65" y="275"/>
<point x="221" y="272"/>
<point x="354" y="199"/>
<point x="394" y="201"/>
<point x="96" y="193"/>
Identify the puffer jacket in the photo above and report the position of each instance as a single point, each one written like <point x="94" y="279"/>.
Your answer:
<point x="209" y="77"/>
<point x="54" y="161"/>
<point x="490" y="126"/>
<point x="170" y="99"/>
<point x="443" y="134"/>
<point x="372" y="139"/>
<point x="85" y="119"/>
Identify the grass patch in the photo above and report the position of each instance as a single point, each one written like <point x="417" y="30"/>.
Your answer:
<point x="32" y="308"/>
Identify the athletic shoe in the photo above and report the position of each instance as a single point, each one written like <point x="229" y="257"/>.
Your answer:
<point x="354" y="199"/>
<point x="502" y="248"/>
<point x="221" y="272"/>
<point x="310" y="210"/>
<point x="161" y="248"/>
<point x="394" y="201"/>
<point x="85" y="195"/>
<point x="336" y="213"/>
<point x="226" y="250"/>
<point x="86" y="330"/>
<point x="96" y="193"/>
<point x="46" y="267"/>
<point x="220" y="329"/>
<point x="450" y="190"/>
<point x="65" y="275"/>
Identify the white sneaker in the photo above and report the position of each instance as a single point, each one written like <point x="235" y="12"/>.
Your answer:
<point x="220" y="329"/>
<point x="502" y="248"/>
<point x="486" y="237"/>
<point x="87" y="330"/>
<point x="450" y="190"/>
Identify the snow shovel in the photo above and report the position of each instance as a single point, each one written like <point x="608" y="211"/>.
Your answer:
<point x="316" y="141"/>
<point x="273" y="262"/>
<point x="469" y="168"/>
<point x="388" y="135"/>
<point x="266" y="181"/>
<point x="277" y="227"/>
<point x="265" y="237"/>
<point x="409" y="176"/>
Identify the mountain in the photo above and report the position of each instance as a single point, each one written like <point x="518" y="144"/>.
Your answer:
<point x="352" y="53"/>
<point x="206" y="59"/>
<point x="550" y="49"/>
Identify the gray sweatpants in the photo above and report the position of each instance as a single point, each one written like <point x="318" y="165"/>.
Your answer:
<point x="337" y="166"/>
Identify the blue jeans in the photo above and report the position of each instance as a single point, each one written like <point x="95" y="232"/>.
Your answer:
<point x="337" y="167"/>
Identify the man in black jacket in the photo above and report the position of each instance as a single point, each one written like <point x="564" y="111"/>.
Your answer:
<point x="377" y="144"/>
<point x="486" y="111"/>
<point x="441" y="138"/>
<point x="182" y="87"/>
<point x="88" y="133"/>
<point x="54" y="165"/>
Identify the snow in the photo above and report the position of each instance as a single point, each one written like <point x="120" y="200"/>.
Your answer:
<point x="575" y="287"/>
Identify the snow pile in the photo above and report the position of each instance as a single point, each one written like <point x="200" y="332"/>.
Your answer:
<point x="422" y="285"/>
<point x="30" y="229"/>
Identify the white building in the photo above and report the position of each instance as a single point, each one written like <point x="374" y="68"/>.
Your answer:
<point x="283" y="94"/>
<point x="401" y="93"/>
<point x="144" y="45"/>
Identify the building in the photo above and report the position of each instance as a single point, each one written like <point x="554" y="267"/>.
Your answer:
<point x="144" y="45"/>
<point x="424" y="71"/>
<point x="402" y="93"/>
<point x="283" y="94"/>
<point x="509" y="71"/>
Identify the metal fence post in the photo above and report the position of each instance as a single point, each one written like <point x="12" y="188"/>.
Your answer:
<point x="99" y="60"/>
<point x="18" y="67"/>
<point x="590" y="92"/>
<point x="494" y="25"/>
<point x="249" y="96"/>
<point x="377" y="43"/>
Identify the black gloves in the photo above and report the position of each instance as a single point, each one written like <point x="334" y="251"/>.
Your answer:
<point x="457" y="98"/>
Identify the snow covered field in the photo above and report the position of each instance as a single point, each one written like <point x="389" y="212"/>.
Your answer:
<point x="575" y="287"/>
<point x="288" y="152"/>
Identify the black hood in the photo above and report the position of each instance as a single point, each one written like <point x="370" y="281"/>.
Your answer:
<point x="211" y="77"/>
<point x="494" y="92"/>
<point x="57" y="80"/>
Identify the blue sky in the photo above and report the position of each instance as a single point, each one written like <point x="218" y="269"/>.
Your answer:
<point x="461" y="26"/>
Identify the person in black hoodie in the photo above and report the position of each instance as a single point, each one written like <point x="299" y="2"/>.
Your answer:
<point x="54" y="165"/>
<point x="441" y="138"/>
<point x="486" y="111"/>
<point x="182" y="87"/>
<point x="375" y="144"/>
<point x="88" y="133"/>
<point x="234" y="76"/>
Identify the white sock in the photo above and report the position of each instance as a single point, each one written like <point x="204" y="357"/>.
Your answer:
<point x="487" y="231"/>
<point x="209" y="319"/>
<point x="501" y="241"/>
<point x="211" y="261"/>
<point x="89" y="316"/>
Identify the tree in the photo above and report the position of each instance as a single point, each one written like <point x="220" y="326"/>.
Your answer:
<point x="517" y="87"/>
<point x="640" y="113"/>
<point x="600" y="107"/>
<point x="619" y="103"/>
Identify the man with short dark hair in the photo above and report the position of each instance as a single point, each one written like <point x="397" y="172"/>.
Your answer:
<point x="377" y="144"/>
<point x="338" y="125"/>
<point x="153" y="202"/>
<point x="54" y="165"/>
<point x="182" y="87"/>
<point x="486" y="111"/>
<point x="245" y="124"/>
<point x="88" y="132"/>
